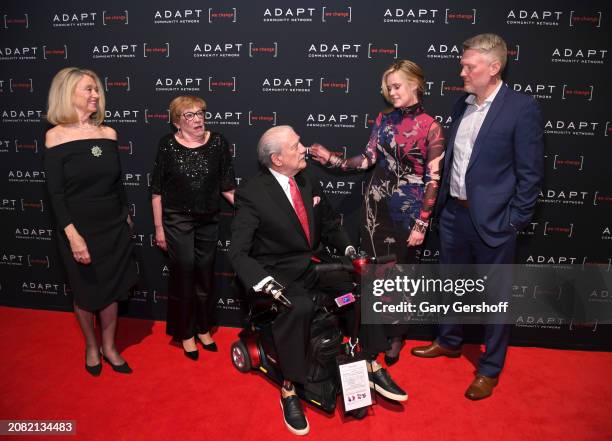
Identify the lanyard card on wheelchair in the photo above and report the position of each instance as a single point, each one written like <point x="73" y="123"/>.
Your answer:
<point x="345" y="299"/>
<point x="355" y="382"/>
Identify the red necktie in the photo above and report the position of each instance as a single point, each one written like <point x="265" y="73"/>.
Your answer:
<point x="298" y="206"/>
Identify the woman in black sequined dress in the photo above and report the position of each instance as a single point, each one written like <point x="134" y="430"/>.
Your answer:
<point x="192" y="170"/>
<point x="90" y="207"/>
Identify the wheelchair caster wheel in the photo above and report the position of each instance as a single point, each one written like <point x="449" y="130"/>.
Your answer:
<point x="360" y="413"/>
<point x="240" y="356"/>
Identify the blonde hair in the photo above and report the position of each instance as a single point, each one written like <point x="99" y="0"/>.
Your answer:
<point x="180" y="103"/>
<point x="60" y="109"/>
<point x="489" y="44"/>
<point x="411" y="71"/>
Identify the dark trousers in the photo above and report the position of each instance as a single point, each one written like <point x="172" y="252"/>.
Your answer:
<point x="192" y="243"/>
<point x="291" y="328"/>
<point x="461" y="244"/>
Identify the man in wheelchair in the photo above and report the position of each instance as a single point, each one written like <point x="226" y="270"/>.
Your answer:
<point x="282" y="221"/>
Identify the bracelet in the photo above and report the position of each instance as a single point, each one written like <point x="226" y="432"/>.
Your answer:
<point x="420" y="226"/>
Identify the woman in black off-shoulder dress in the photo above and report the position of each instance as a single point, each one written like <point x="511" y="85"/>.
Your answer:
<point x="83" y="176"/>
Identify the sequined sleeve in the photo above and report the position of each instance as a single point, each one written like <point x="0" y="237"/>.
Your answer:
<point x="433" y="169"/>
<point x="227" y="177"/>
<point x="158" y="168"/>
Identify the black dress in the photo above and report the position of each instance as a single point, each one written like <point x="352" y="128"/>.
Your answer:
<point x="85" y="186"/>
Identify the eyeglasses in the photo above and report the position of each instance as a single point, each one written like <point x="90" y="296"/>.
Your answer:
<point x="191" y="115"/>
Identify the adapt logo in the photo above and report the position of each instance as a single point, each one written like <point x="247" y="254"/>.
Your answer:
<point x="10" y="259"/>
<point x="445" y="121"/>
<point x="17" y="21"/>
<point x="178" y="84"/>
<point x="114" y="51"/>
<point x="121" y="116"/>
<point x="338" y="187"/>
<point x="32" y="233"/>
<point x="217" y="50"/>
<point x="26" y="176"/>
<point x="582" y="56"/>
<point x="228" y="303"/>
<point x="564" y="197"/>
<point x="229" y="15"/>
<point x="43" y="287"/>
<point x="444" y="51"/>
<point x="229" y="118"/>
<point x="332" y="120"/>
<point x="537" y="90"/>
<point x="26" y="53"/>
<point x="533" y="17"/>
<point x="115" y="18"/>
<point x="223" y="245"/>
<point x="287" y="85"/>
<point x="334" y="50"/>
<point x="575" y="128"/>
<point x="132" y="179"/>
<point x="412" y="16"/>
<point x="452" y="16"/>
<point x="289" y="15"/>
<point x="216" y="84"/>
<point x="122" y="83"/>
<point x="21" y="116"/>
<point x="74" y="19"/>
<point x="7" y="204"/>
<point x="540" y="322"/>
<point x="606" y="234"/>
<point x="178" y="16"/>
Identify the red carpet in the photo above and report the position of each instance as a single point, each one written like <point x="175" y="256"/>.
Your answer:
<point x="543" y="395"/>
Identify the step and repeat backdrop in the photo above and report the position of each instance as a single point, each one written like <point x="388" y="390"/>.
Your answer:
<point x="316" y="66"/>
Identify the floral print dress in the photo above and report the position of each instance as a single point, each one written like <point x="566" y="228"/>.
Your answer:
<point x="406" y="148"/>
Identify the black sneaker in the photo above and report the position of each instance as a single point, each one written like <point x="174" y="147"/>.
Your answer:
<point x="293" y="414"/>
<point x="382" y="383"/>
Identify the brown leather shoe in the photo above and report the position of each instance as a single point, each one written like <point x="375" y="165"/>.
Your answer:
<point x="481" y="387"/>
<point x="435" y="350"/>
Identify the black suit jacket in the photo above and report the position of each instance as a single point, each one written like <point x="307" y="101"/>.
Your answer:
<point x="267" y="237"/>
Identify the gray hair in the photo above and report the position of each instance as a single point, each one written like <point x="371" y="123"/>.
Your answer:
<point x="489" y="44"/>
<point x="269" y="143"/>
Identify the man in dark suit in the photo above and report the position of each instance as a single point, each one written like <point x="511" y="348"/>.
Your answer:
<point x="492" y="172"/>
<point x="282" y="220"/>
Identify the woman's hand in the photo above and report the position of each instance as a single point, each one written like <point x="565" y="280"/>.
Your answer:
<point x="160" y="238"/>
<point x="320" y="153"/>
<point x="416" y="238"/>
<point x="79" y="249"/>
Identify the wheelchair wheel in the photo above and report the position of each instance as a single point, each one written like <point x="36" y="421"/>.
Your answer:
<point x="240" y="356"/>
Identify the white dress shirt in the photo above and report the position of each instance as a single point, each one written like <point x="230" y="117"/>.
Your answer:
<point x="470" y="125"/>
